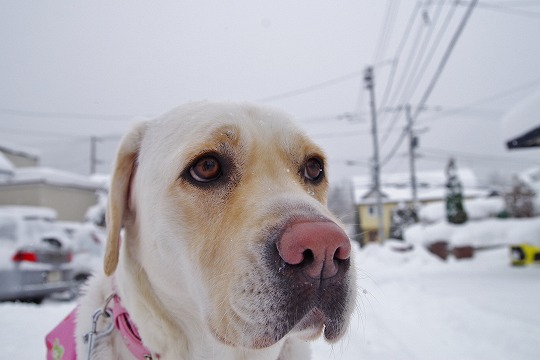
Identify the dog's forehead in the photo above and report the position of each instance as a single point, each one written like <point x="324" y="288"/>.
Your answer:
<point x="200" y="127"/>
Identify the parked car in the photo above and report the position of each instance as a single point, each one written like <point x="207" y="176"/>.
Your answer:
<point x="88" y="244"/>
<point x="35" y="254"/>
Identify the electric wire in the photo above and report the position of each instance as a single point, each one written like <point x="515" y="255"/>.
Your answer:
<point x="445" y="58"/>
<point x="401" y="45"/>
<point x="500" y="95"/>
<point x="313" y="87"/>
<point x="386" y="30"/>
<point x="40" y="133"/>
<point x="423" y="66"/>
<point x="408" y="62"/>
<point x="434" y="78"/>
<point x="64" y="115"/>
<point x="510" y="10"/>
<point x="410" y="82"/>
<point x="442" y="153"/>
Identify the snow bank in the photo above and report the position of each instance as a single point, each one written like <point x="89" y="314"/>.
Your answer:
<point x="24" y="326"/>
<point x="490" y="232"/>
<point x="476" y="209"/>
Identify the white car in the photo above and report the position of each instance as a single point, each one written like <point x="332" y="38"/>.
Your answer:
<point x="88" y="244"/>
<point x="35" y="254"/>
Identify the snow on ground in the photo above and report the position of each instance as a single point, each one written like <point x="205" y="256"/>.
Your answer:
<point x="410" y="306"/>
<point x="23" y="327"/>
<point x="414" y="306"/>
<point x="489" y="232"/>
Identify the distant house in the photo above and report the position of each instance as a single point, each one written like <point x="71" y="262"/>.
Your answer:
<point x="69" y="194"/>
<point x="395" y="190"/>
<point x="19" y="157"/>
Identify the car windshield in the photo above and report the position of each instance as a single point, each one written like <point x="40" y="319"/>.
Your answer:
<point x="37" y="228"/>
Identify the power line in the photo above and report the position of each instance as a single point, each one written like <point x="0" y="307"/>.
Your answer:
<point x="408" y="64"/>
<point x="510" y="10"/>
<point x="395" y="148"/>
<point x="431" y="24"/>
<point x="387" y="27"/>
<point x="524" y="3"/>
<point x="313" y="87"/>
<point x="39" y="133"/>
<point x="435" y="77"/>
<point x="416" y="81"/>
<point x="413" y="75"/>
<point x="445" y="58"/>
<point x="54" y="134"/>
<point x="436" y="152"/>
<point x="402" y="42"/>
<point x="491" y="98"/>
<point x="339" y="134"/>
<point x="427" y="60"/>
<point x="344" y="116"/>
<point x="65" y="115"/>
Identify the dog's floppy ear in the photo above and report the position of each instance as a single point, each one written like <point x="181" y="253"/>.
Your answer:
<point x="118" y="203"/>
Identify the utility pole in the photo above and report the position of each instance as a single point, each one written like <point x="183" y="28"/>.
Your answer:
<point x="93" y="154"/>
<point x="413" y="143"/>
<point x="368" y="79"/>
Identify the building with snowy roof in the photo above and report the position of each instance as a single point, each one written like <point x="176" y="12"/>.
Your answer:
<point x="18" y="156"/>
<point x="521" y="125"/>
<point x="69" y="194"/>
<point x="396" y="190"/>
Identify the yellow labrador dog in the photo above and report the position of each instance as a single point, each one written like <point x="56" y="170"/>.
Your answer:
<point x="228" y="249"/>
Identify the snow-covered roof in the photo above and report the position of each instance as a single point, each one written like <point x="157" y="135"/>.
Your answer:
<point x="431" y="185"/>
<point x="52" y="176"/>
<point x="524" y="117"/>
<point x="30" y="211"/>
<point x="393" y="194"/>
<point x="531" y="177"/>
<point x="6" y="167"/>
<point x="423" y="178"/>
<point x="18" y="150"/>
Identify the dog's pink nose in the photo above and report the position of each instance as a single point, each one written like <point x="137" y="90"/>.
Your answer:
<point x="316" y="248"/>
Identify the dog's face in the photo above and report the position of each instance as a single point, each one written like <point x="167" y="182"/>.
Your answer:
<point x="226" y="205"/>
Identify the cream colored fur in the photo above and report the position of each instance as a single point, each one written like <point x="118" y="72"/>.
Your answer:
<point x="190" y="263"/>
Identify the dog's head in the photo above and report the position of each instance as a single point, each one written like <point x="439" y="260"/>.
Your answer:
<point x="225" y="213"/>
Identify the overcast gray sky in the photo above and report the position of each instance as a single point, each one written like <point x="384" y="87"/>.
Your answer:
<point x="73" y="69"/>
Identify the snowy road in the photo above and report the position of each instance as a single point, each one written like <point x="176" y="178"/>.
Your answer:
<point x="411" y="306"/>
<point x="420" y="308"/>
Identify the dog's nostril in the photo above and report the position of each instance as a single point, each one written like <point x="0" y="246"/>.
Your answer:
<point x="342" y="253"/>
<point x="308" y="257"/>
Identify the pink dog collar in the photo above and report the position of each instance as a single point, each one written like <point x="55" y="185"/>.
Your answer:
<point x="129" y="331"/>
<point x="61" y="340"/>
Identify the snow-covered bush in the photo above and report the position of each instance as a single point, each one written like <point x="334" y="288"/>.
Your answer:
<point x="520" y="200"/>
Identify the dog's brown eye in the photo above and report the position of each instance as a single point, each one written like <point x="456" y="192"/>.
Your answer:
<point x="206" y="169"/>
<point x="313" y="170"/>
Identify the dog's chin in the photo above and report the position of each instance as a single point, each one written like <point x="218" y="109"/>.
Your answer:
<point x="309" y="328"/>
<point x="315" y="323"/>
